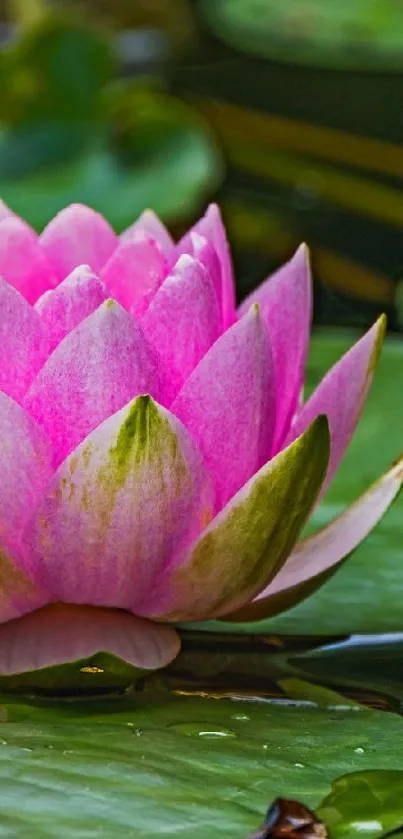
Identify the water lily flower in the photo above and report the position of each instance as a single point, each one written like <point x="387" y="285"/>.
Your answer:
<point x="158" y="462"/>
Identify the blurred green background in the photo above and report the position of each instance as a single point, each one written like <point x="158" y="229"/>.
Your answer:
<point x="287" y="112"/>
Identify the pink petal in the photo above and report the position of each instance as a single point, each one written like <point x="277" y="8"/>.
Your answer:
<point x="23" y="342"/>
<point x="18" y="593"/>
<point x="211" y="227"/>
<point x="64" y="307"/>
<point x="342" y="393"/>
<point x="22" y="262"/>
<point x="313" y="559"/>
<point x="202" y="250"/>
<point x="78" y="236"/>
<point x="228" y="404"/>
<point x="130" y="496"/>
<point x="133" y="274"/>
<point x="183" y="320"/>
<point x="25" y="466"/>
<point x="96" y="369"/>
<point x="5" y="211"/>
<point x="149" y="226"/>
<point x="62" y="633"/>
<point x="286" y="302"/>
<point x="246" y="544"/>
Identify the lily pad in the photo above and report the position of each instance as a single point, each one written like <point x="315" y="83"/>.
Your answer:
<point x="77" y="135"/>
<point x="350" y="34"/>
<point x="183" y="766"/>
<point x="366" y="593"/>
<point x="366" y="804"/>
<point x="176" y="183"/>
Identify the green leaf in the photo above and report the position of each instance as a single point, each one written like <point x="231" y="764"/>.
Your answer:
<point x="365" y="804"/>
<point x="370" y="584"/>
<point x="175" y="180"/>
<point x="348" y="34"/>
<point x="188" y="767"/>
<point x="366" y="663"/>
<point x="56" y="69"/>
<point x="320" y="696"/>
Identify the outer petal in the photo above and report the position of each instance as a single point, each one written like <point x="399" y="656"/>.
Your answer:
<point x="135" y="492"/>
<point x="248" y="542"/>
<point x="148" y="225"/>
<point x="23" y="342"/>
<point x="316" y="558"/>
<point x="59" y="634"/>
<point x="25" y="466"/>
<point x="18" y="593"/>
<point x="286" y="303"/>
<point x="22" y="262"/>
<point x="96" y="369"/>
<point x="78" y="236"/>
<point x="133" y="274"/>
<point x="228" y="404"/>
<point x="342" y="393"/>
<point x="211" y="227"/>
<point x="183" y="319"/>
<point x="63" y="308"/>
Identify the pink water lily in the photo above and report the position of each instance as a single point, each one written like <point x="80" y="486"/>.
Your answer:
<point x="158" y="463"/>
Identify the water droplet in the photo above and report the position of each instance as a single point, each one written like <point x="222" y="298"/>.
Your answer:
<point x="26" y="749"/>
<point x="266" y="746"/>
<point x="200" y="729"/>
<point x="213" y="735"/>
<point x="371" y="826"/>
<point x="359" y="751"/>
<point x="67" y="752"/>
<point x="243" y="717"/>
<point x="299" y="765"/>
<point x="130" y="724"/>
<point x="138" y="732"/>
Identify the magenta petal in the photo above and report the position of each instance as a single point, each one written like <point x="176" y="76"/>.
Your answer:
<point x="183" y="320"/>
<point x="23" y="342"/>
<point x="341" y="395"/>
<point x="22" y="262"/>
<point x="64" y="307"/>
<point x="286" y="303"/>
<point x="62" y="633"/>
<point x="211" y="227"/>
<point x="26" y="466"/>
<point x="78" y="236"/>
<point x="96" y="369"/>
<point x="228" y="404"/>
<point x="149" y="226"/>
<point x="133" y="274"/>
<point x="133" y="494"/>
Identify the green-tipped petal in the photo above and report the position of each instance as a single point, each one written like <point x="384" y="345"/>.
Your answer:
<point x="315" y="559"/>
<point x="249" y="540"/>
<point x="133" y="493"/>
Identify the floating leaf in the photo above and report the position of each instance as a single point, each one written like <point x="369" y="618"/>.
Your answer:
<point x="196" y="768"/>
<point x="365" y="804"/>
